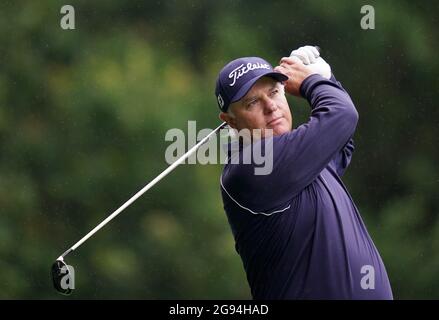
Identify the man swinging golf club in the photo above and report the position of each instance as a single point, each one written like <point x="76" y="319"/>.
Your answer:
<point x="297" y="229"/>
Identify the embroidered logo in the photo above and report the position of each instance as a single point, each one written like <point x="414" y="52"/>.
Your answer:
<point x="220" y="101"/>
<point x="243" y="69"/>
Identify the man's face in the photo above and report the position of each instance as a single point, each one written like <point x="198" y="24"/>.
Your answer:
<point x="263" y="107"/>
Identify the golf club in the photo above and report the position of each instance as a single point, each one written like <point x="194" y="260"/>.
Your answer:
<point x="61" y="271"/>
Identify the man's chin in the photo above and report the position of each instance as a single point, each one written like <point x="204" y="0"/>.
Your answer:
<point x="276" y="131"/>
<point x="279" y="132"/>
<point x="279" y="127"/>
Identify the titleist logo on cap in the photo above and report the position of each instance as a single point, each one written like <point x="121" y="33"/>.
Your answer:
<point x="238" y="76"/>
<point x="243" y="69"/>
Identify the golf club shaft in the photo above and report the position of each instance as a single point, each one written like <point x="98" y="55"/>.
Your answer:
<point x="141" y="192"/>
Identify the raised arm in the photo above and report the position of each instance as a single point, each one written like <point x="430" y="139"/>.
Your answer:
<point x="300" y="155"/>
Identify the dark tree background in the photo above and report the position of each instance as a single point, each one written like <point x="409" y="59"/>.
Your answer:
<point x="84" y="113"/>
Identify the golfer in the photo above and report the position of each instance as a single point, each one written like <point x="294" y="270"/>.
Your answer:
<point x="296" y="229"/>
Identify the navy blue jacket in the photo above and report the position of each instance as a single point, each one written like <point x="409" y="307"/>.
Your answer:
<point x="297" y="230"/>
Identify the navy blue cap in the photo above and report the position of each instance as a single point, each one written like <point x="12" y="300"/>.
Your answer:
<point x="238" y="76"/>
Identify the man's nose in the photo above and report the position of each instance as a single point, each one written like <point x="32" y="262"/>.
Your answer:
<point x="269" y="105"/>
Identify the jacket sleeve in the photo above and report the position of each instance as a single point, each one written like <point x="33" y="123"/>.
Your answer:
<point x="343" y="158"/>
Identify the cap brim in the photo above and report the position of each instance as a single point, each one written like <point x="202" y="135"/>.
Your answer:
<point x="246" y="87"/>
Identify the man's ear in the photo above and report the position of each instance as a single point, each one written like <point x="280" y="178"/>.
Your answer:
<point x="224" y="116"/>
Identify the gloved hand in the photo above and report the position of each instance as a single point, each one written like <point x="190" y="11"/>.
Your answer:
<point x="310" y="56"/>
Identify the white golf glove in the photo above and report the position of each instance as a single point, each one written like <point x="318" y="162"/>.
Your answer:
<point x="310" y="56"/>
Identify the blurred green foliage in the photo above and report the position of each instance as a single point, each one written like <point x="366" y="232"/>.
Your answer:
<point x="83" y="116"/>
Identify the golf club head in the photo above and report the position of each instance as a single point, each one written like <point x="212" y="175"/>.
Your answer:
<point x="62" y="277"/>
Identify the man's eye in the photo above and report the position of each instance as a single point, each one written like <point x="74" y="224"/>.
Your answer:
<point x="252" y="103"/>
<point x="274" y="92"/>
